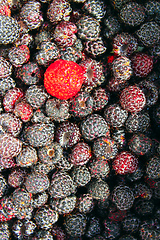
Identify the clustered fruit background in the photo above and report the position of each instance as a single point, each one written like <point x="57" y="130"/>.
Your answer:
<point x="87" y="167"/>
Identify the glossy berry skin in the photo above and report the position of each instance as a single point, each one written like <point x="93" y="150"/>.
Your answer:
<point x="45" y="217"/>
<point x="138" y="122"/>
<point x="88" y="28"/>
<point x="81" y="175"/>
<point x="151" y="92"/>
<point x="7" y="209"/>
<point x="36" y="96"/>
<point x="36" y="183"/>
<point x="100" y="99"/>
<point x="112" y="229"/>
<point x="40" y="134"/>
<point x="105" y="148"/>
<point x="5" y="9"/>
<point x="62" y="185"/>
<point x="75" y="225"/>
<point x="99" y="168"/>
<point x="57" y="109"/>
<point x="63" y="79"/>
<point x="142" y="64"/>
<point x="16" y="177"/>
<point x="29" y="73"/>
<point x="124" y="163"/>
<point x="115" y="116"/>
<point x="96" y="8"/>
<point x="132" y="99"/>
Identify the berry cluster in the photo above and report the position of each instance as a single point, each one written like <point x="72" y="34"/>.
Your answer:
<point x="79" y="119"/>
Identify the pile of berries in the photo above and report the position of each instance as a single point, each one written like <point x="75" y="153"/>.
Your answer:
<point x="79" y="119"/>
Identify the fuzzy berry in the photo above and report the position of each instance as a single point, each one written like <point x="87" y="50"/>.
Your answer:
<point x="92" y="73"/>
<point x="36" y="183"/>
<point x="81" y="154"/>
<point x="67" y="134"/>
<point x="63" y="79"/>
<point x="19" y="55"/>
<point x="59" y="10"/>
<point x="81" y="105"/>
<point x="132" y="99"/>
<point x="121" y="68"/>
<point x="16" y="177"/>
<point x="31" y="15"/>
<point x="64" y="34"/>
<point x="123" y="197"/>
<point x="124" y="44"/>
<point x="11" y="97"/>
<point x="124" y="163"/>
<point x="5" y="67"/>
<point x="142" y="64"/>
<point x="9" y="146"/>
<point x="10" y="124"/>
<point x="23" y="110"/>
<point x="29" y="73"/>
<point x="5" y="9"/>
<point x="6" y="163"/>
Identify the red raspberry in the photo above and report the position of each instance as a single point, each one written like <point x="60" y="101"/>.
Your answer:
<point x="142" y="64"/>
<point x="23" y="110"/>
<point x="11" y="98"/>
<point x="124" y="163"/>
<point x="81" y="154"/>
<point x="132" y="99"/>
<point x="63" y="79"/>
